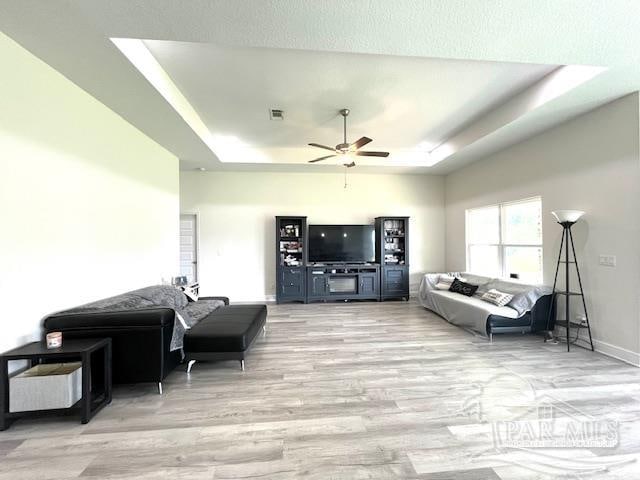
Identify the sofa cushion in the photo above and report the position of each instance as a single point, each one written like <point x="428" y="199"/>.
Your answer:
<point x="456" y="301"/>
<point x="227" y="329"/>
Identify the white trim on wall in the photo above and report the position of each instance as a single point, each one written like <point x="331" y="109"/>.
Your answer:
<point x="619" y="353"/>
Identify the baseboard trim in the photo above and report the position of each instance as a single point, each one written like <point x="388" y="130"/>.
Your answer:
<point x="619" y="353"/>
<point x="265" y="299"/>
<point x="610" y="350"/>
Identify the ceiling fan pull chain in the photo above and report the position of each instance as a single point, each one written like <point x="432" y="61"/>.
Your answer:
<point x="345" y="177"/>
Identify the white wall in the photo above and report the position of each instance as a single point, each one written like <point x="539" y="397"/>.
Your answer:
<point x="591" y="163"/>
<point x="237" y="225"/>
<point x="88" y="205"/>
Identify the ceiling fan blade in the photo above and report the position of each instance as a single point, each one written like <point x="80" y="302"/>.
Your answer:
<point x="361" y="142"/>
<point x="349" y="165"/>
<point x="321" y="158"/>
<point x="322" y="146"/>
<point x="372" y="154"/>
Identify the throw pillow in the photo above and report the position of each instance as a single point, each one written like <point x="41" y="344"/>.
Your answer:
<point x="444" y="282"/>
<point x="519" y="303"/>
<point x="444" y="278"/>
<point x="496" y="297"/>
<point x="464" y="288"/>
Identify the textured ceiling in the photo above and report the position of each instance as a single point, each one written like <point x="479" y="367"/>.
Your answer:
<point x="73" y="37"/>
<point x="403" y="103"/>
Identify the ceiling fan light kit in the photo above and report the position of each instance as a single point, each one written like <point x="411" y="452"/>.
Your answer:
<point x="346" y="148"/>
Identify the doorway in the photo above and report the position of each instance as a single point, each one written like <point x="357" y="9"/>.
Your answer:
<point x="189" y="246"/>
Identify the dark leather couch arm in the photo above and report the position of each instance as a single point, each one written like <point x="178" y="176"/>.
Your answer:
<point x="148" y="317"/>
<point x="224" y="299"/>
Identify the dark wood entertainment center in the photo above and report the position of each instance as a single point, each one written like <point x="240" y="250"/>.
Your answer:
<point x="298" y="280"/>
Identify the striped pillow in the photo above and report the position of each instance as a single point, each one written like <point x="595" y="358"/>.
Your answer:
<point x="445" y="281"/>
<point x="497" y="298"/>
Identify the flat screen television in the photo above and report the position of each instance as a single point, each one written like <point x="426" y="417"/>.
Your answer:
<point x="341" y="243"/>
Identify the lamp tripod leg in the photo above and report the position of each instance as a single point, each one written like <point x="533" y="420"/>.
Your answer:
<point x="584" y="303"/>
<point x="548" y="334"/>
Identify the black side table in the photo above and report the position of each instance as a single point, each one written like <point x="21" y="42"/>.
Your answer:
<point x="92" y="401"/>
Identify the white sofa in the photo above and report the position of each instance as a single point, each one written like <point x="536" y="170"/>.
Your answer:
<point x="527" y="312"/>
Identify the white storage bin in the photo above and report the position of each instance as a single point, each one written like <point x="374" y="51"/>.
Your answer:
<point x="46" y="386"/>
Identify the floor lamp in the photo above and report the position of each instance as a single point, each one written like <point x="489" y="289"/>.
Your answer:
<point x="567" y="218"/>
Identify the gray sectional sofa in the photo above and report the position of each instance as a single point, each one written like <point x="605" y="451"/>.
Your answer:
<point x="527" y="312"/>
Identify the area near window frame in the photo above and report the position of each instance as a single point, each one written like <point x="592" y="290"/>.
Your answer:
<point x="501" y="267"/>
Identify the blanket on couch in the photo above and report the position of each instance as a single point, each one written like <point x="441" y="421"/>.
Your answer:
<point x="159" y="296"/>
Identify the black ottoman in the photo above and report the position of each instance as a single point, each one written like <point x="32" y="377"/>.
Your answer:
<point x="225" y="334"/>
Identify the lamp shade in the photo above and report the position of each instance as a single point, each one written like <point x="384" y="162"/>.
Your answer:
<point x="570" y="216"/>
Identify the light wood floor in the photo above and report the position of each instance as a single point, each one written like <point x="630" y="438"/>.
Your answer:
<point x="343" y="391"/>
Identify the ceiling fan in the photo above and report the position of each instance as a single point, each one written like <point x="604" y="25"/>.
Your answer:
<point x="345" y="148"/>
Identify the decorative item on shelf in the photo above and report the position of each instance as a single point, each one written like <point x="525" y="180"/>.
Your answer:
<point x="291" y="261"/>
<point x="567" y="218"/>
<point x="391" y="259"/>
<point x="291" y="230"/>
<point x="54" y="340"/>
<point x="291" y="247"/>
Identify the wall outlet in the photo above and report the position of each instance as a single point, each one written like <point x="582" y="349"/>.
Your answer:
<point x="608" y="260"/>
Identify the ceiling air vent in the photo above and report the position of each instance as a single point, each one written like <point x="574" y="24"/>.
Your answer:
<point x="276" y="114"/>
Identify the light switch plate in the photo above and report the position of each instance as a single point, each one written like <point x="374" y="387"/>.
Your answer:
<point x="608" y="260"/>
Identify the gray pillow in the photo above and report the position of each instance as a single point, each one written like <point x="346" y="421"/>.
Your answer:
<point x="520" y="303"/>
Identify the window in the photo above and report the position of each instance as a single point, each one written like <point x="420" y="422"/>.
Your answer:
<point x="505" y="240"/>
